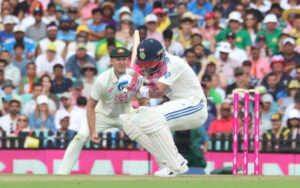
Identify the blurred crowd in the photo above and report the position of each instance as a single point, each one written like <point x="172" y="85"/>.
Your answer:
<point x="51" y="51"/>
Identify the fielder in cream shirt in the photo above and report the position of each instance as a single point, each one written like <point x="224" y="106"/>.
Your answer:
<point x="105" y="104"/>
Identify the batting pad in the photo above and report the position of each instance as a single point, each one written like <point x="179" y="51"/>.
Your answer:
<point x="166" y="148"/>
<point x="135" y="133"/>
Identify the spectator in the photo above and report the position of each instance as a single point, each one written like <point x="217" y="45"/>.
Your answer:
<point x="96" y="28"/>
<point x="223" y="124"/>
<point x="137" y="16"/>
<point x="240" y="81"/>
<point x="260" y="66"/>
<point x="41" y="119"/>
<point x="64" y="132"/>
<point x="77" y="115"/>
<point x="45" y="62"/>
<point x="277" y="65"/>
<point x="227" y="64"/>
<point x="291" y="58"/>
<point x="172" y="47"/>
<point x="37" y="31"/>
<point x="267" y="111"/>
<point x="10" y="71"/>
<point x="65" y="33"/>
<point x="30" y="106"/>
<point x="77" y="61"/>
<point x="288" y="98"/>
<point x="199" y="8"/>
<point x="8" y="89"/>
<point x="29" y="18"/>
<point x="60" y="83"/>
<point x="27" y="82"/>
<point x="295" y="32"/>
<point x="52" y="30"/>
<point x="211" y="107"/>
<point x="265" y="51"/>
<point x="264" y="124"/>
<point x="293" y="124"/>
<point x="243" y="37"/>
<point x="278" y="133"/>
<point x="18" y="60"/>
<point x="50" y="13"/>
<point x="226" y="7"/>
<point x="272" y="86"/>
<point x="8" y="122"/>
<point x="162" y="19"/>
<point x="46" y="82"/>
<point x="8" y="29"/>
<point x="73" y="16"/>
<point x="125" y="34"/>
<point x="90" y="72"/>
<point x="20" y="38"/>
<point x="104" y="63"/>
<point x="235" y="53"/>
<point x="101" y="48"/>
<point x="5" y="108"/>
<point x="247" y="69"/>
<point x="271" y="33"/>
<point x="143" y="32"/>
<point x="76" y="90"/>
<point x="108" y="11"/>
<point x="184" y="34"/>
<point x="214" y="96"/>
<point x="144" y="6"/>
<point x="22" y="124"/>
<point x="210" y="30"/>
<point x="191" y="59"/>
<point x="82" y="34"/>
<point x="172" y="12"/>
<point x="152" y="24"/>
<point x="294" y="105"/>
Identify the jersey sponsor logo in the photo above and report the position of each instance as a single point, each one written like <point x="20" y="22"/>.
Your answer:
<point x="110" y="90"/>
<point x="167" y="74"/>
<point x="121" y="98"/>
<point x="239" y="39"/>
<point x="274" y="40"/>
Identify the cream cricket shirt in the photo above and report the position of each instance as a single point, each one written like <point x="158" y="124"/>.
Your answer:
<point x="181" y="79"/>
<point x="111" y="101"/>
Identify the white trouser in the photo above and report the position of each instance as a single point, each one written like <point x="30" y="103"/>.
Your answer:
<point x="82" y="137"/>
<point x="183" y="114"/>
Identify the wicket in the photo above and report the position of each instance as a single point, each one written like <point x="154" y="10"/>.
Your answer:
<point x="246" y="133"/>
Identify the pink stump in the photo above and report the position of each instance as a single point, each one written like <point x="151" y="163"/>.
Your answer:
<point x="235" y="133"/>
<point x="246" y="126"/>
<point x="256" y="134"/>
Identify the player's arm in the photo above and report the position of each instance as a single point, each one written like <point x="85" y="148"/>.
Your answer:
<point x="91" y="104"/>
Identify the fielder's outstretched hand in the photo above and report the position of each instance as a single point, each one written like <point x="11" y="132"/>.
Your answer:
<point x="95" y="138"/>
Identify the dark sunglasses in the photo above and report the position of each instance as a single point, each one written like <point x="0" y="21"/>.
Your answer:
<point x="225" y="109"/>
<point x="25" y="120"/>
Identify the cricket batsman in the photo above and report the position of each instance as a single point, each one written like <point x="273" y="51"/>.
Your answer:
<point x="187" y="108"/>
<point x="104" y="107"/>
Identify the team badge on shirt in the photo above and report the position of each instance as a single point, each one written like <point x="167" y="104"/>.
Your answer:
<point x="167" y="74"/>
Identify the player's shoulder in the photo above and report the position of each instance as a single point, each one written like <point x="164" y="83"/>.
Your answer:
<point x="172" y="59"/>
<point x="103" y="77"/>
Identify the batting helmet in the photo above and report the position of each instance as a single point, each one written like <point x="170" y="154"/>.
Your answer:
<point x="150" y="54"/>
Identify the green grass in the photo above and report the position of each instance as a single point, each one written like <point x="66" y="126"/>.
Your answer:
<point x="84" y="181"/>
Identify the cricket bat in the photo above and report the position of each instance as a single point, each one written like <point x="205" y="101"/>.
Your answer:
<point x="136" y="41"/>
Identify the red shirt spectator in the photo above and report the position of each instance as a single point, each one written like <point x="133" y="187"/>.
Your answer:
<point x="225" y="123"/>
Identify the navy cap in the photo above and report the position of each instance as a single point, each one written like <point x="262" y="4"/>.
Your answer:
<point x="65" y="18"/>
<point x="148" y="50"/>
